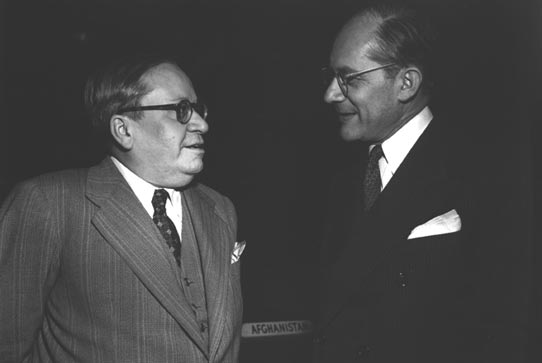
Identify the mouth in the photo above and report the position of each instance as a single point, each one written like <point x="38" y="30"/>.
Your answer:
<point x="343" y="116"/>
<point x="195" y="146"/>
<point x="343" y="111"/>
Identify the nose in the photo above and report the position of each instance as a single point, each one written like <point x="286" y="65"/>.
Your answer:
<point x="333" y="92"/>
<point x="197" y="124"/>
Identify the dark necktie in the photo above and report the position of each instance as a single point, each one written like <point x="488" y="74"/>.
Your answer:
<point x="372" y="182"/>
<point x="165" y="225"/>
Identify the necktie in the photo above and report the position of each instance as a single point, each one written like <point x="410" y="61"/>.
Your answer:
<point x="372" y="182"/>
<point x="165" y="225"/>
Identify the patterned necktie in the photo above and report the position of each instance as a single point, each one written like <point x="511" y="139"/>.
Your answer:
<point x="372" y="182"/>
<point x="165" y="225"/>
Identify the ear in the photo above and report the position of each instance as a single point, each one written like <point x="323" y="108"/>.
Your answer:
<point x="409" y="82"/>
<point x="120" y="128"/>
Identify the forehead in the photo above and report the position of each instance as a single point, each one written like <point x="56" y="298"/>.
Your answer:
<point x="351" y="46"/>
<point x="168" y="83"/>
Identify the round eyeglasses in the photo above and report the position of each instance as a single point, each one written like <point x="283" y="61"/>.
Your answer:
<point x="183" y="109"/>
<point x="344" y="80"/>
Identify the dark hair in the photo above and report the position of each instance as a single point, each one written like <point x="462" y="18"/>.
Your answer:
<point x="118" y="85"/>
<point x="403" y="37"/>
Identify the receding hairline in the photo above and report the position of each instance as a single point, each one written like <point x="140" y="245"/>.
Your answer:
<point x="378" y="15"/>
<point x="362" y="27"/>
<point x="372" y="19"/>
<point x="157" y="67"/>
<point x="146" y="79"/>
<point x="369" y="22"/>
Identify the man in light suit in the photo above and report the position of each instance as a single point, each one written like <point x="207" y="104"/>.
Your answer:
<point x="131" y="260"/>
<point x="400" y="276"/>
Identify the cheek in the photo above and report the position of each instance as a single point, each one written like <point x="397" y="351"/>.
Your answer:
<point x="364" y="105"/>
<point x="376" y="108"/>
<point x="171" y="139"/>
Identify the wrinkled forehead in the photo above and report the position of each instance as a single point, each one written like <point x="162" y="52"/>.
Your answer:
<point x="353" y="42"/>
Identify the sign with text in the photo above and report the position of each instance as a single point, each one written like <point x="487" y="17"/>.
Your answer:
<point x="276" y="328"/>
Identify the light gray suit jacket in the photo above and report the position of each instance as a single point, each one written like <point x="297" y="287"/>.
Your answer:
<point x="85" y="275"/>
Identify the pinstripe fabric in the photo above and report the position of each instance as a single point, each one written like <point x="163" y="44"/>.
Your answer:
<point x="86" y="277"/>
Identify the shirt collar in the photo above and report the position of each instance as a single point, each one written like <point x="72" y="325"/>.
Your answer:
<point x="399" y="144"/>
<point x="143" y="190"/>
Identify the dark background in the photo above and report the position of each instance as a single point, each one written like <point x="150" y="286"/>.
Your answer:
<point x="273" y="144"/>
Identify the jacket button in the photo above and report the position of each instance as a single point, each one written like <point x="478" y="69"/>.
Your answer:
<point x="363" y="351"/>
<point x="319" y="339"/>
<point x="188" y="282"/>
<point x="402" y="279"/>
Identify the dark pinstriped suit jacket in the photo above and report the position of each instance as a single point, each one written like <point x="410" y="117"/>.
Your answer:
<point x="85" y="275"/>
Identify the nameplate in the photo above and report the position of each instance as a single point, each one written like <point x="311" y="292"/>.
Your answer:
<point x="276" y="328"/>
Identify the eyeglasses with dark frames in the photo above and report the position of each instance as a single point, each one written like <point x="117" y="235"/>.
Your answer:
<point x="344" y="79"/>
<point x="184" y="109"/>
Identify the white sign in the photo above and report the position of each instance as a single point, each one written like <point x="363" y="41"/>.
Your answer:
<point x="276" y="328"/>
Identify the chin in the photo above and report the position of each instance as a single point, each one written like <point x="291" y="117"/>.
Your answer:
<point x="195" y="169"/>
<point x="351" y="135"/>
<point x="190" y="166"/>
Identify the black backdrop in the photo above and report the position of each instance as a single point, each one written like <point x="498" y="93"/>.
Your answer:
<point x="273" y="144"/>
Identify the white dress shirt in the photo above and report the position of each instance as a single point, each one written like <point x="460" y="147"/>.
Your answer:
<point x="399" y="144"/>
<point x="144" y="191"/>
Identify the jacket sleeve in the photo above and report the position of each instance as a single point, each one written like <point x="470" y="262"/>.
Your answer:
<point x="29" y="235"/>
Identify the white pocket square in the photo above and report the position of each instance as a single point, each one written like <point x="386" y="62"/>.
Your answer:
<point x="237" y="251"/>
<point x="446" y="223"/>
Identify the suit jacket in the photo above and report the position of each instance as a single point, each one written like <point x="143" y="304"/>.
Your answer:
<point x="387" y="298"/>
<point x="86" y="276"/>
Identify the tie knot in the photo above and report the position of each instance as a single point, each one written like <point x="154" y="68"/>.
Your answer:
<point x="159" y="201"/>
<point x="376" y="153"/>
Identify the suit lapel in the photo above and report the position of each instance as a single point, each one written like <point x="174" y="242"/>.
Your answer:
<point x="126" y="226"/>
<point x="420" y="187"/>
<point x="211" y="231"/>
<point x="418" y="191"/>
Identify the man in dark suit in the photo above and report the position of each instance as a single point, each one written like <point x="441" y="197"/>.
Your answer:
<point x="400" y="272"/>
<point x="130" y="260"/>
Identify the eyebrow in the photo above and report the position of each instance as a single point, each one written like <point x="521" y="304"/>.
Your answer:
<point x="345" y="70"/>
<point x="180" y="99"/>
